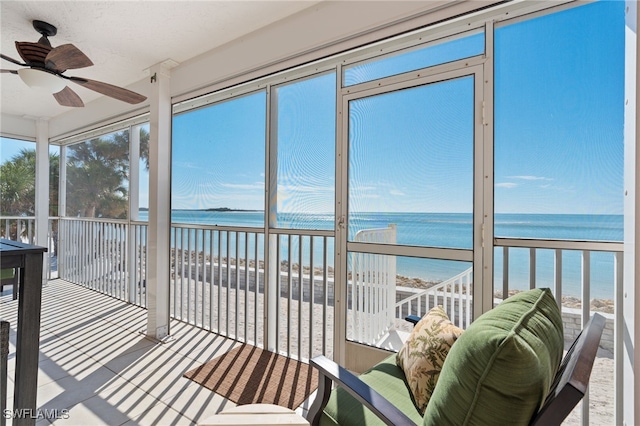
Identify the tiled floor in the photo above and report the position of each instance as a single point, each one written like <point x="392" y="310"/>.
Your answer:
<point x="96" y="363"/>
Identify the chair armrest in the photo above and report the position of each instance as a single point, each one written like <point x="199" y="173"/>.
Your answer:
<point x="412" y="319"/>
<point x="330" y="372"/>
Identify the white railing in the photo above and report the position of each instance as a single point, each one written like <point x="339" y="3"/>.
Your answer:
<point x="301" y="268"/>
<point x="214" y="283"/>
<point x="372" y="288"/>
<point x="558" y="250"/>
<point x="18" y="228"/>
<point x="217" y="277"/>
<point x="136" y="288"/>
<point x="22" y="228"/>
<point x="93" y="253"/>
<point x="453" y="294"/>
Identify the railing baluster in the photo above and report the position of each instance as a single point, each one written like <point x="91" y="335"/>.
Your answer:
<point x="300" y="291"/>
<point x="219" y="233"/>
<point x="256" y="291"/>
<point x="532" y="268"/>
<point x="325" y="288"/>
<point x="228" y="282"/>
<point x="505" y="272"/>
<point x="289" y="278"/>
<point x="196" y="255"/>
<point x="312" y="291"/>
<point x="278" y="291"/>
<point x="557" y="269"/>
<point x="246" y="286"/>
<point x="212" y="272"/>
<point x="237" y="239"/>
<point x="618" y="361"/>
<point x="586" y="308"/>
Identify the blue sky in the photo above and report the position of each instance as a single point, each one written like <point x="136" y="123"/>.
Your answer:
<point x="559" y="112"/>
<point x="558" y="127"/>
<point x="559" y="103"/>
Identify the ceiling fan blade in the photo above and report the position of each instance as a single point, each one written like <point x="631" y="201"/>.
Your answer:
<point x="32" y="53"/>
<point x="9" y="71"/>
<point x="67" y="97"/>
<point x="66" y="57"/>
<point x="7" y="58"/>
<point x="110" y="90"/>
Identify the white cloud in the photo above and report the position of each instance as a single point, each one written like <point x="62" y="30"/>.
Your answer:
<point x="243" y="186"/>
<point x="506" y="185"/>
<point x="529" y="177"/>
<point x="301" y="188"/>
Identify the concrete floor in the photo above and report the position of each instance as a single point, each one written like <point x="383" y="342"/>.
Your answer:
<point x="97" y="368"/>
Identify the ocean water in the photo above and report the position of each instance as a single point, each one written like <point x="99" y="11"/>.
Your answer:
<point x="454" y="230"/>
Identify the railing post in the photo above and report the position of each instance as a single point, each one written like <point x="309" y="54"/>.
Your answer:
<point x="618" y="340"/>
<point x="505" y="272"/>
<point x="557" y="269"/>
<point x="586" y="308"/>
<point x="532" y="268"/>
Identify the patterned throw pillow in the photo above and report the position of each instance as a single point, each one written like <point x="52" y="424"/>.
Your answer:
<point x="422" y="355"/>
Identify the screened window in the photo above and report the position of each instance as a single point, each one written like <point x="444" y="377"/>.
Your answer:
<point x="143" y="171"/>
<point x="411" y="165"/>
<point x="98" y="177"/>
<point x="451" y="49"/>
<point x="305" y="140"/>
<point x="54" y="179"/>
<point x="218" y="160"/>
<point x="17" y="177"/>
<point x="559" y="98"/>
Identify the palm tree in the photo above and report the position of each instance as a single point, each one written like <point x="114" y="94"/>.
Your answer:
<point x="98" y="175"/>
<point x="17" y="187"/>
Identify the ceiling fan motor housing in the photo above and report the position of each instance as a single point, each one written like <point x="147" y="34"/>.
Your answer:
<point x="44" y="28"/>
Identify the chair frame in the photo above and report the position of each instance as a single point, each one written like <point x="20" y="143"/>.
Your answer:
<point x="568" y="388"/>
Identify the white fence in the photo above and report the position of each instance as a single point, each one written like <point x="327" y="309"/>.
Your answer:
<point x="217" y="277"/>
<point x="454" y="295"/>
<point x="372" y="288"/>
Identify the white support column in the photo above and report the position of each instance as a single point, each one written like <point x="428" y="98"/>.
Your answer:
<point x="42" y="189"/>
<point x="159" y="242"/>
<point x="630" y="385"/>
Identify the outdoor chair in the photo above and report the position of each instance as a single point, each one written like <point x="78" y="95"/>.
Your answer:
<point x="506" y="368"/>
<point x="9" y="277"/>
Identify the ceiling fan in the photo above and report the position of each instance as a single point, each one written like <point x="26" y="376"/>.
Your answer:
<point x="47" y="64"/>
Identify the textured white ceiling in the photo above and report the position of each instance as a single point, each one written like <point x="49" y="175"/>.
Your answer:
<point x="124" y="38"/>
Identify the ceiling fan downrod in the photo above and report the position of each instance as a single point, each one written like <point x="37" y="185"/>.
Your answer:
<point x="46" y="29"/>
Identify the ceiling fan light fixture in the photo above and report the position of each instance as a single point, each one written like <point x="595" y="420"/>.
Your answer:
<point x="41" y="80"/>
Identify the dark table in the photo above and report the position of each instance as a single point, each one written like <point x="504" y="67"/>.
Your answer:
<point x="28" y="260"/>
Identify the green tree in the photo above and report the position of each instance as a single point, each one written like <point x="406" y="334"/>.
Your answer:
<point x="17" y="184"/>
<point x="98" y="175"/>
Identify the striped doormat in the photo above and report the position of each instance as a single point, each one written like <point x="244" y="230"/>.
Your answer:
<point x="250" y="375"/>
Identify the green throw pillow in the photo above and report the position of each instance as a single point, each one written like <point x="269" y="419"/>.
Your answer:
<point x="501" y="368"/>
